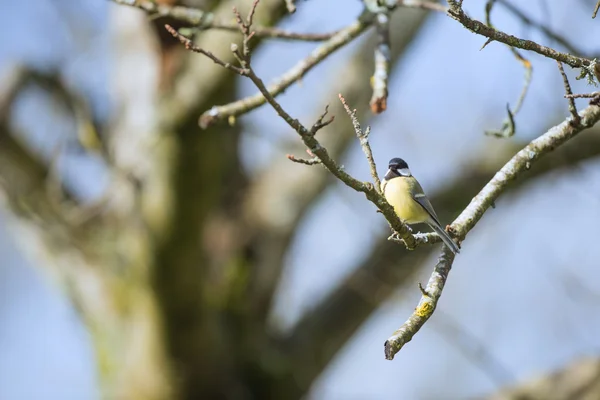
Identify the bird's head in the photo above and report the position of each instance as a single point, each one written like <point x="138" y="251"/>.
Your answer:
<point x="397" y="167"/>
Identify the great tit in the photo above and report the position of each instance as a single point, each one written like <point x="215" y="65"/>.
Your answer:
<point x="405" y="194"/>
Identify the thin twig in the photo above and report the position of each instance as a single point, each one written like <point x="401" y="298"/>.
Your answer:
<point x="582" y="95"/>
<point x="363" y="137"/>
<point x="307" y="136"/>
<point x="461" y="226"/>
<point x="478" y="27"/>
<point x="343" y="37"/>
<point x="541" y="27"/>
<point x="202" y="20"/>
<point x="596" y="8"/>
<point x="312" y="161"/>
<point x="420" y="238"/>
<point x="321" y="122"/>
<point x="192" y="47"/>
<point x="336" y="41"/>
<point x="508" y="128"/>
<point x="572" y="108"/>
<point x="315" y="147"/>
<point x="311" y="142"/>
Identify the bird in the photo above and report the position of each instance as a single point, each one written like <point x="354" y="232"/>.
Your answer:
<point x="402" y="190"/>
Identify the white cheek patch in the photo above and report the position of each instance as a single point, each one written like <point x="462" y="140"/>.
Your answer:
<point x="404" y="172"/>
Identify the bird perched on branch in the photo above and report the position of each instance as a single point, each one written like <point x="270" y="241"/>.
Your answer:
<point x="412" y="206"/>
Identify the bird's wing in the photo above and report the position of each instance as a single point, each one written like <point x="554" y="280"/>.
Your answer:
<point x="422" y="199"/>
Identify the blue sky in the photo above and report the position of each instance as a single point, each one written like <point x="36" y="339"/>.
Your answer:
<point x="511" y="288"/>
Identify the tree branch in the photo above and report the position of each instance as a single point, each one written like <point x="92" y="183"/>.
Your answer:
<point x="541" y="27"/>
<point x="273" y="191"/>
<point x="341" y="38"/>
<point x="508" y="127"/>
<point x="520" y="163"/>
<point x="480" y="28"/>
<point x="572" y="108"/>
<point x="363" y="137"/>
<point x="203" y="20"/>
<point x="196" y="83"/>
<point x="323" y="330"/>
<point x="309" y="139"/>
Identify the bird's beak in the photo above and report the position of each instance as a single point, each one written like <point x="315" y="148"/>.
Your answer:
<point x="390" y="174"/>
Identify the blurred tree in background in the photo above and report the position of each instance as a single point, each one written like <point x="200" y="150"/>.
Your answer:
<point x="175" y="268"/>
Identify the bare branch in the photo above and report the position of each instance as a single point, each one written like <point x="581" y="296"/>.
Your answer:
<point x="363" y="137"/>
<point x="323" y="330"/>
<point x="572" y="109"/>
<point x="312" y="161"/>
<point x="520" y="163"/>
<point x="426" y="306"/>
<point x="179" y="102"/>
<point x="190" y="46"/>
<point x="310" y="183"/>
<point x="321" y="121"/>
<point x="596" y="8"/>
<point x="341" y="38"/>
<point x="420" y="238"/>
<point x="200" y="20"/>
<point x="480" y="28"/>
<point x="508" y="128"/>
<point x="541" y="27"/>
<point x="309" y="139"/>
<point x="583" y="95"/>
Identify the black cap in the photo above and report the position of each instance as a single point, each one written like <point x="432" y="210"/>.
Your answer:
<point x="397" y="163"/>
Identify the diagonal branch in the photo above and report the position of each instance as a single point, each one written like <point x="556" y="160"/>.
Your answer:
<point x="196" y="85"/>
<point x="308" y="138"/>
<point x="338" y="40"/>
<point x="541" y="27"/>
<point x="480" y="28"/>
<point x="341" y="38"/>
<point x="572" y="108"/>
<point x="273" y="191"/>
<point x="520" y="163"/>
<point x="363" y="137"/>
<point x="323" y="330"/>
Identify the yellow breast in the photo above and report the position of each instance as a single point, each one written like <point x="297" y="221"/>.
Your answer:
<point x="399" y="193"/>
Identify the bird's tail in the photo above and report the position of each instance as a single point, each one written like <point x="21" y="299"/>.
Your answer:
<point x="445" y="238"/>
